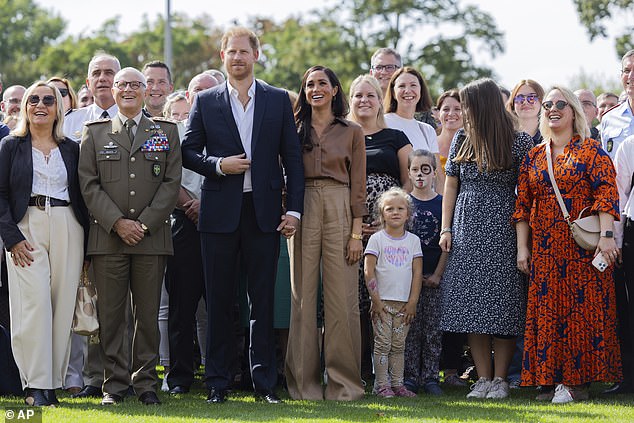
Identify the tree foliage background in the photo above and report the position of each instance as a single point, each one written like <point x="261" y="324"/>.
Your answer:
<point x="596" y="15"/>
<point x="438" y="37"/>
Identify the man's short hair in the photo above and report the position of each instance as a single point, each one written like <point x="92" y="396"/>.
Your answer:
<point x="103" y="55"/>
<point x="158" y="64"/>
<point x="240" y="31"/>
<point x="387" y="50"/>
<point x="626" y="55"/>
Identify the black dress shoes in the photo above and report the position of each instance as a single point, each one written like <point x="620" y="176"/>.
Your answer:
<point x="179" y="389"/>
<point x="216" y="396"/>
<point x="88" y="391"/>
<point x="267" y="396"/>
<point x="50" y="396"/>
<point x="111" y="399"/>
<point x="34" y="397"/>
<point x="619" y="388"/>
<point x="149" y="398"/>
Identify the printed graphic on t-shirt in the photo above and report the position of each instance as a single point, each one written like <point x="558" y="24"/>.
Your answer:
<point x="396" y="256"/>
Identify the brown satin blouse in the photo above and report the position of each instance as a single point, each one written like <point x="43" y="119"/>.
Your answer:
<point x="339" y="154"/>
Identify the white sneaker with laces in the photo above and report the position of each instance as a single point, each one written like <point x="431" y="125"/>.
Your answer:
<point x="480" y="389"/>
<point x="499" y="389"/>
<point x="562" y="395"/>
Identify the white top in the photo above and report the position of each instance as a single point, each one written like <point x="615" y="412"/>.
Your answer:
<point x="243" y="117"/>
<point x="394" y="263"/>
<point x="624" y="163"/>
<point x="74" y="121"/>
<point x="420" y="134"/>
<point x="49" y="179"/>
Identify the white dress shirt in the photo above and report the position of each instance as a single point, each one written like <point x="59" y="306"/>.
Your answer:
<point x="624" y="163"/>
<point x="243" y="116"/>
<point x="74" y="121"/>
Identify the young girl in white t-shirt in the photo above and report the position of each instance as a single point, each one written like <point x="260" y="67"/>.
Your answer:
<point x="393" y="274"/>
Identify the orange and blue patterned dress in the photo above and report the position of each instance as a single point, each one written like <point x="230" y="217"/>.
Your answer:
<point x="570" y="332"/>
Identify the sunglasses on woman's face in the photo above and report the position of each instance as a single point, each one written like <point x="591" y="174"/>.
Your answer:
<point x="47" y="100"/>
<point x="530" y="99"/>
<point x="63" y="91"/>
<point x="558" y="104"/>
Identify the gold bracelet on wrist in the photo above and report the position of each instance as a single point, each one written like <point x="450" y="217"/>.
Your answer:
<point x="356" y="236"/>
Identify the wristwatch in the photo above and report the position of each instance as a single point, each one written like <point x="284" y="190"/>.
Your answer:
<point x="607" y="234"/>
<point x="358" y="237"/>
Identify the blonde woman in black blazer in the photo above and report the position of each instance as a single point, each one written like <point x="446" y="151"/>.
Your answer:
<point x="42" y="222"/>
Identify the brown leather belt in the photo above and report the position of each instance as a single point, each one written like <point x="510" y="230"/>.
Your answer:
<point x="39" y="201"/>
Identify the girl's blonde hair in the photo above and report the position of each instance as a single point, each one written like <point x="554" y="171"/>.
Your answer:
<point x="394" y="192"/>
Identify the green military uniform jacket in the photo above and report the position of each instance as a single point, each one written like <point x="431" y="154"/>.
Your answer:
<point x="139" y="182"/>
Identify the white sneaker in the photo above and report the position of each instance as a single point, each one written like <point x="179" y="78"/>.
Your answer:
<point x="480" y="389"/>
<point x="164" y="386"/>
<point x="499" y="389"/>
<point x="562" y="395"/>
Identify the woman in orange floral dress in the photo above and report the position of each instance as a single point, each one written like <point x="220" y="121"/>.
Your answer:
<point x="570" y="337"/>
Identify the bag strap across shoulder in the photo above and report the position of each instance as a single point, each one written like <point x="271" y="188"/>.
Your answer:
<point x="551" y="173"/>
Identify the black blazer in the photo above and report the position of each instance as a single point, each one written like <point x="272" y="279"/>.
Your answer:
<point x="16" y="182"/>
<point x="212" y="127"/>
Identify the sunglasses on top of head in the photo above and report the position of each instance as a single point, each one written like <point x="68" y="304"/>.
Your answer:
<point x="560" y="105"/>
<point x="530" y="99"/>
<point x="47" y="100"/>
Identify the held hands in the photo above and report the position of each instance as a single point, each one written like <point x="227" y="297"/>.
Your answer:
<point x="235" y="165"/>
<point x="21" y="253"/>
<point x="130" y="231"/>
<point x="288" y="226"/>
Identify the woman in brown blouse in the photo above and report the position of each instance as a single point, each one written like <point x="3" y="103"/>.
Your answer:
<point x="328" y="244"/>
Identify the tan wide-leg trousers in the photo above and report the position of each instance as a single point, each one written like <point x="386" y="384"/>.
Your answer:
<point x="42" y="296"/>
<point x="320" y="244"/>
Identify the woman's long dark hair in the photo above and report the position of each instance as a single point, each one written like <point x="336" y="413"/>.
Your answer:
<point x="488" y="126"/>
<point x="303" y="110"/>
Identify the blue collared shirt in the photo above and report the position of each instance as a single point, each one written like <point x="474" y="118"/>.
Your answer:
<point x="616" y="125"/>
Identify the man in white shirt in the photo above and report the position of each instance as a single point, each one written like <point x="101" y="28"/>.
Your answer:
<point x="247" y="129"/>
<point x="617" y="125"/>
<point x="101" y="71"/>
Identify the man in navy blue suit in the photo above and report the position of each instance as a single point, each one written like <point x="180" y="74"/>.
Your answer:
<point x="248" y="131"/>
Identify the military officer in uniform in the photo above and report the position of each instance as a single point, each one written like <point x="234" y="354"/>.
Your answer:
<point x="130" y="174"/>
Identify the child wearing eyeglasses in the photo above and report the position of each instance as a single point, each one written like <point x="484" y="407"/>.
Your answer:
<point x="393" y="271"/>
<point x="424" y="341"/>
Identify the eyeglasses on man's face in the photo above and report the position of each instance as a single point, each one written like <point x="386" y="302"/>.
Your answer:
<point x="388" y="68"/>
<point x="134" y="85"/>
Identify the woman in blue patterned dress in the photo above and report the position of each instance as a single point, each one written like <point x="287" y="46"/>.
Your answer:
<point x="483" y="291"/>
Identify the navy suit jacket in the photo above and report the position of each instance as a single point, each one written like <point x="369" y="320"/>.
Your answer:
<point x="16" y="183"/>
<point x="274" y="143"/>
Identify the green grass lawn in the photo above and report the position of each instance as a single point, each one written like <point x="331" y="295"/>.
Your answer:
<point x="241" y="407"/>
